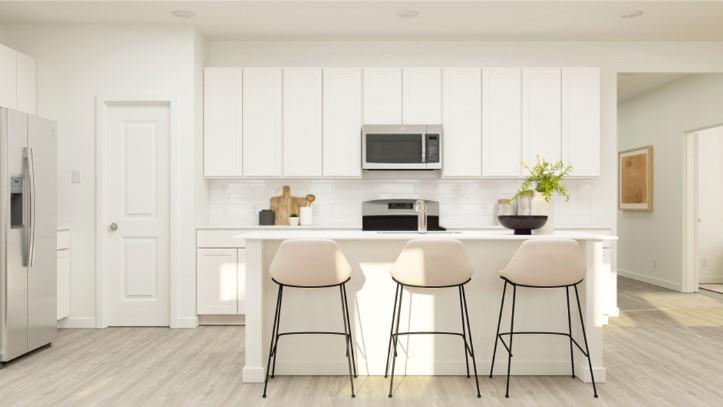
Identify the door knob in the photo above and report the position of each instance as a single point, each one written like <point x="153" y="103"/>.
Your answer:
<point x="113" y="226"/>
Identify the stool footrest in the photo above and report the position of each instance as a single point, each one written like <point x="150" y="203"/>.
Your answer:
<point x="313" y="333"/>
<point x="539" y="333"/>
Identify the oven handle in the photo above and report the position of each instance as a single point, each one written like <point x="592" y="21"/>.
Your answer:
<point x="424" y="148"/>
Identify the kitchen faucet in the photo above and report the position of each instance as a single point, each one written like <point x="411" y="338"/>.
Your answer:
<point x="421" y="208"/>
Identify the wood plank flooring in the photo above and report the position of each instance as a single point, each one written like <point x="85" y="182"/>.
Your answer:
<point x="666" y="349"/>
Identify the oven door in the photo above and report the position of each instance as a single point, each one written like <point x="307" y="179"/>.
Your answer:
<point x="393" y="147"/>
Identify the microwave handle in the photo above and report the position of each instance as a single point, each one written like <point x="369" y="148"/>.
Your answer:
<point x="424" y="148"/>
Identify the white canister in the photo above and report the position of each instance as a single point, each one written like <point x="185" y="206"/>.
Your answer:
<point x="306" y="217"/>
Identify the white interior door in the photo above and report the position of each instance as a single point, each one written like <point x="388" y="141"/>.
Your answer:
<point x="136" y="278"/>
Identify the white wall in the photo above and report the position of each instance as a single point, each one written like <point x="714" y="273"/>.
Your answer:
<point x="77" y="63"/>
<point x="710" y="205"/>
<point x="650" y="246"/>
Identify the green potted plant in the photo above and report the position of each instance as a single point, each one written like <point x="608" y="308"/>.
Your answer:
<point x="294" y="219"/>
<point x="535" y="196"/>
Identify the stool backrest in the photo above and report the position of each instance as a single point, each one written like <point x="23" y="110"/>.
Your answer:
<point x="432" y="263"/>
<point x="546" y="263"/>
<point x="310" y="263"/>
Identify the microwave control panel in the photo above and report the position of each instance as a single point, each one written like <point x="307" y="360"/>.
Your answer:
<point x="432" y="148"/>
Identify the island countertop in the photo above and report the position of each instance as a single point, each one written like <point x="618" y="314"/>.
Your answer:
<point x="476" y="234"/>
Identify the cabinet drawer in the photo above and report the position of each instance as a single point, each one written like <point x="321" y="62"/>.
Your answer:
<point x="221" y="238"/>
<point x="63" y="240"/>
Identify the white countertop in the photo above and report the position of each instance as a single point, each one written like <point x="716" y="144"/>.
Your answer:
<point x="339" y="234"/>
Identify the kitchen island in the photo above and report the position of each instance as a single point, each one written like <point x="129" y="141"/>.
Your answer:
<point x="371" y="296"/>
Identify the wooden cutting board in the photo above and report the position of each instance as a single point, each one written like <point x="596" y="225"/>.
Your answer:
<point x="284" y="205"/>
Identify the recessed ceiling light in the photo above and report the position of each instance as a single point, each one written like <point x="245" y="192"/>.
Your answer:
<point x="407" y="13"/>
<point x="632" y="14"/>
<point x="183" y="13"/>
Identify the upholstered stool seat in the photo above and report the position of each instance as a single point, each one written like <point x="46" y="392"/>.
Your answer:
<point x="547" y="264"/>
<point x="310" y="264"/>
<point x="434" y="264"/>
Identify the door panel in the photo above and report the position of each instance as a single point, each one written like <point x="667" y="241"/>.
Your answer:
<point x="217" y="285"/>
<point x="541" y="114"/>
<point x="136" y="257"/>
<point x="501" y="121"/>
<point x="462" y="119"/>
<point x="342" y="118"/>
<point x="15" y="341"/>
<point x="302" y="122"/>
<point x="42" y="274"/>
<point x="262" y="122"/>
<point x="382" y="95"/>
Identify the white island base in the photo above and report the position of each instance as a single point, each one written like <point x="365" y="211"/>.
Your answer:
<point x="371" y="297"/>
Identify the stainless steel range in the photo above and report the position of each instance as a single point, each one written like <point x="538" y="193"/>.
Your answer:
<point x="400" y="214"/>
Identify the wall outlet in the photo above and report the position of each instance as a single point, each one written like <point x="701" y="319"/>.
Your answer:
<point x="75" y="176"/>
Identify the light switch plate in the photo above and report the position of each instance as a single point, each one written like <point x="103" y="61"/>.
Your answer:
<point x="75" y="176"/>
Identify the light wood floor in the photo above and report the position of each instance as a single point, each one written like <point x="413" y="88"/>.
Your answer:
<point x="666" y="349"/>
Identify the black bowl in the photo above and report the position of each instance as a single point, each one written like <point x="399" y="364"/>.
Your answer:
<point x="521" y="224"/>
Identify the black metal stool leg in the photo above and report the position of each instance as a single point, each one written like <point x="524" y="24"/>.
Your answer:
<point x="471" y="344"/>
<point x="347" y="335"/>
<point x="569" y="330"/>
<point x="351" y="336"/>
<point x="391" y="331"/>
<point x="464" y="330"/>
<point x="587" y="349"/>
<point x="497" y="336"/>
<point x="273" y="338"/>
<point x="278" y="325"/>
<point x="395" y="338"/>
<point x="512" y="328"/>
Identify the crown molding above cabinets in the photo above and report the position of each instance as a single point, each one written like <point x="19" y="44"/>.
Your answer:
<point x="305" y="122"/>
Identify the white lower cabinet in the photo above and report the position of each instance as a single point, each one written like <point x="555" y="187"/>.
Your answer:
<point x="220" y="276"/>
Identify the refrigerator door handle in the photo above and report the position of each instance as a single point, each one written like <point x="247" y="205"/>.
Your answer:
<point x="31" y="226"/>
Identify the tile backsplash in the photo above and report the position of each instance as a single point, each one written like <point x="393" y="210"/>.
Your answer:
<point x="463" y="203"/>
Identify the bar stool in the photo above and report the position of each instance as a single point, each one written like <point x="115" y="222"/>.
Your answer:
<point x="431" y="264"/>
<point x="544" y="264"/>
<point x="310" y="264"/>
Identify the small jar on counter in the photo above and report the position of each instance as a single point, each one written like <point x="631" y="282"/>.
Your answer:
<point x="505" y="207"/>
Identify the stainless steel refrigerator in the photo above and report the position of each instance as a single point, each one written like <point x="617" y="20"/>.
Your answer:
<point x="28" y="230"/>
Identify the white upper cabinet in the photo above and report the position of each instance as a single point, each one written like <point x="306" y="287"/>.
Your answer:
<point x="342" y="106"/>
<point x="302" y="122"/>
<point x="462" y="121"/>
<point x="541" y="114"/>
<point x="422" y="96"/>
<point x="8" y="77"/>
<point x="382" y="95"/>
<point x="26" y="83"/>
<point x="262" y="122"/>
<point x="581" y="120"/>
<point x="501" y="122"/>
<point x="222" y="122"/>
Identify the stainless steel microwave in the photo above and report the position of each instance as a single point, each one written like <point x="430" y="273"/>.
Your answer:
<point x="401" y="147"/>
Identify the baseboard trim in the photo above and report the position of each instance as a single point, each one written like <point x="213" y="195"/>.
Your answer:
<point x="232" y="320"/>
<point x="77" y="322"/>
<point x="187" y="322"/>
<point x="710" y="279"/>
<point x="440" y="368"/>
<point x="650" y="280"/>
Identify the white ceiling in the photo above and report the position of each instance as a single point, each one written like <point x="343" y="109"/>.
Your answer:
<point x="631" y="85"/>
<point x="377" y="20"/>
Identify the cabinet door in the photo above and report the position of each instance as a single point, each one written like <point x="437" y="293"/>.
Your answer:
<point x="541" y="114"/>
<point x="241" y="281"/>
<point x="342" y="122"/>
<point x="382" y="95"/>
<point x="63" y="283"/>
<point x="302" y="122"/>
<point x="26" y="83"/>
<point x="8" y="77"/>
<point x="222" y="122"/>
<point x="216" y="281"/>
<point x="462" y="120"/>
<point x="422" y="96"/>
<point x="581" y="120"/>
<point x="262" y="122"/>
<point x="501" y="122"/>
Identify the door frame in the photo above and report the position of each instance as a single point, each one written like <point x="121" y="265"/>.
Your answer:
<point x="690" y="278"/>
<point x="103" y="103"/>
